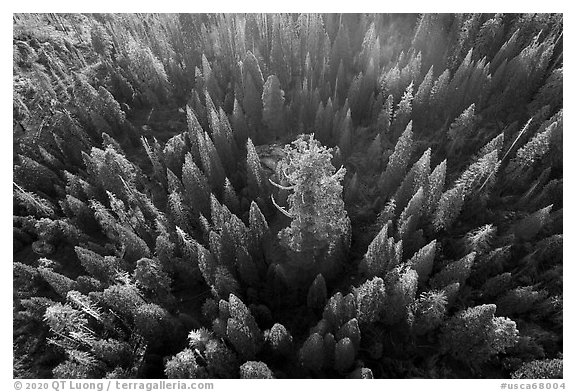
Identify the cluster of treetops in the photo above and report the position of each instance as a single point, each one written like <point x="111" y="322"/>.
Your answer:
<point x="287" y="196"/>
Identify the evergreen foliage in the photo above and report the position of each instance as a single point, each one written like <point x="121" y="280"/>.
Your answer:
<point x="287" y="195"/>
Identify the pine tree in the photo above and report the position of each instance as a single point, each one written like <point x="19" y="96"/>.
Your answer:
<point x="196" y="186"/>
<point x="382" y="254"/>
<point x="345" y="141"/>
<point x="396" y="168"/>
<point x="317" y="294"/>
<point x="150" y="277"/>
<point x="456" y="272"/>
<point x="533" y="151"/>
<point x="385" y="116"/>
<point x="528" y="227"/>
<point x="184" y="365"/>
<point x="255" y="173"/>
<point x="370" y="300"/>
<point x="423" y="261"/>
<point x="461" y="130"/>
<point x="478" y="240"/>
<point x="221" y="360"/>
<point x="312" y="353"/>
<point x="242" y="330"/>
<point x="334" y="312"/>
<point x="496" y="285"/>
<point x="439" y="92"/>
<point x="449" y="207"/>
<point x="194" y="132"/>
<point x="428" y="312"/>
<point x="540" y="369"/>
<point x="344" y="355"/>
<point x="253" y="83"/>
<point x="174" y="152"/>
<point x="59" y="283"/>
<point x="258" y="228"/>
<point x="255" y="369"/>
<point x="422" y="96"/>
<point x="212" y="164"/>
<point x="279" y="339"/>
<point x="123" y="299"/>
<point x="33" y="203"/>
<point x="403" y="111"/>
<point x="239" y="124"/>
<point x="273" y="107"/>
<point x="409" y="218"/>
<point x="96" y="265"/>
<point x="152" y="321"/>
<point x="35" y="176"/>
<point x="401" y="284"/>
<point x="474" y="335"/>
<point x="417" y="177"/>
<point x="350" y="330"/>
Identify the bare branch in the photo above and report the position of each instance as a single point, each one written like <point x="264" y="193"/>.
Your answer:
<point x="282" y="210"/>
<point x="287" y="188"/>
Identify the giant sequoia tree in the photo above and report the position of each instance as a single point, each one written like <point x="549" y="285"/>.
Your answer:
<point x="288" y="195"/>
<point x="319" y="231"/>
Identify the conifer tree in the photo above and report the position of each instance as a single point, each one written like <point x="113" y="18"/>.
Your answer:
<point x="344" y="355"/>
<point x="317" y="293"/>
<point x="428" y="312"/>
<point x="273" y="107"/>
<point x="242" y="330"/>
<point x="385" y="116"/>
<point x="345" y="142"/>
<point x="255" y="173"/>
<point x="253" y="83"/>
<point x="183" y="365"/>
<point x="150" y="277"/>
<point x="221" y="360"/>
<point x="319" y="221"/>
<point x="474" y="335"/>
<point x="540" y="369"/>
<point x="533" y="151"/>
<point x="397" y="163"/>
<point x="239" y="124"/>
<point x="334" y="312"/>
<point x="194" y="131"/>
<point x="370" y="300"/>
<point x="255" y="369"/>
<point x="449" y="207"/>
<point x="478" y="240"/>
<point x="96" y="265"/>
<point x="461" y="129"/>
<point x="279" y="339"/>
<point x="422" y="96"/>
<point x="423" y="261"/>
<point x="258" y="228"/>
<point x="401" y="284"/>
<point x="456" y="272"/>
<point x="409" y="218"/>
<point x="528" y="227"/>
<point x="350" y="330"/>
<point x="60" y="284"/>
<point x="312" y="353"/>
<point x="212" y="164"/>
<point x="403" y="111"/>
<point x="196" y="186"/>
<point x="417" y="177"/>
<point x="382" y="254"/>
<point x="439" y="92"/>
